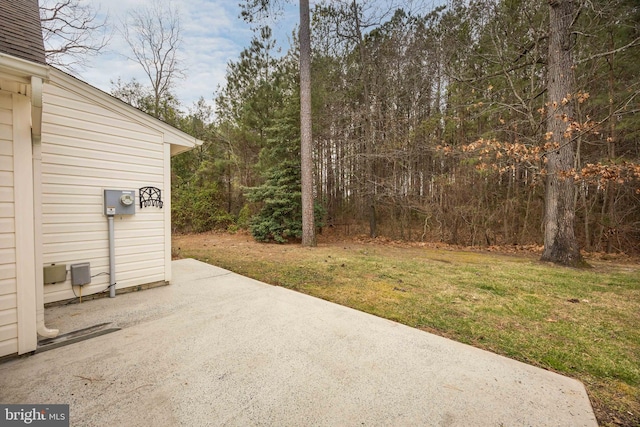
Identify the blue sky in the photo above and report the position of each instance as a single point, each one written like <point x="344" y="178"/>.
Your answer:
<point x="212" y="33"/>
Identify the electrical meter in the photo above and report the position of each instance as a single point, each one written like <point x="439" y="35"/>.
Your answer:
<point x="126" y="199"/>
<point x="119" y="202"/>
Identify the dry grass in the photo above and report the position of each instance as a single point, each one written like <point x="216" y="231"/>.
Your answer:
<point x="581" y="323"/>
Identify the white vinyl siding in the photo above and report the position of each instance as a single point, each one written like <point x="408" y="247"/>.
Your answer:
<point x="8" y="296"/>
<point x="88" y="147"/>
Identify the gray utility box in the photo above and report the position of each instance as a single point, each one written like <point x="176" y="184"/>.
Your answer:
<point x="119" y="202"/>
<point x="80" y="274"/>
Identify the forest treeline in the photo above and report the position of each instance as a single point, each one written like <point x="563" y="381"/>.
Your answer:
<point x="427" y="125"/>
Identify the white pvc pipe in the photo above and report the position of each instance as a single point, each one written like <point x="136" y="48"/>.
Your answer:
<point x="112" y="259"/>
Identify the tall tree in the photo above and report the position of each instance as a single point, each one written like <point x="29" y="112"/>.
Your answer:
<point x="560" y="243"/>
<point x="279" y="197"/>
<point x="306" y="140"/>
<point x="353" y="26"/>
<point x="247" y="104"/>
<point x="608" y="51"/>
<point x="153" y="35"/>
<point x="198" y="201"/>
<point x="252" y="9"/>
<point x="72" y="32"/>
<point x="473" y="79"/>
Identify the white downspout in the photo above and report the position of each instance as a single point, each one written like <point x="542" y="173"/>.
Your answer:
<point x="36" y="138"/>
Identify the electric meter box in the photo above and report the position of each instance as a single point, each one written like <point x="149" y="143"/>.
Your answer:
<point x="54" y="273"/>
<point x="80" y="274"/>
<point x="119" y="202"/>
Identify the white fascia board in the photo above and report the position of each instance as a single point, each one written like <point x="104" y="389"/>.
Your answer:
<point x="177" y="149"/>
<point x="182" y="141"/>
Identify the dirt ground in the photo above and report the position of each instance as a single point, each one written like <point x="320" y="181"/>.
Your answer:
<point x="243" y="241"/>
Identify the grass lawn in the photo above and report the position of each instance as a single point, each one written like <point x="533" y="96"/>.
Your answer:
<point x="582" y="323"/>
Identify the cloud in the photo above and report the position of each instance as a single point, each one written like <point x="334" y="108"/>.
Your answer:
<point x="212" y="35"/>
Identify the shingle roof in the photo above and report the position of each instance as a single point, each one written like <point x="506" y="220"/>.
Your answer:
<point x="20" y="32"/>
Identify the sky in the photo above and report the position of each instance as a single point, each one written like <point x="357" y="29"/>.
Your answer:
<point x="212" y="35"/>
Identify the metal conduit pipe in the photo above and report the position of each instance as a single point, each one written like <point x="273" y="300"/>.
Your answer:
<point x="112" y="258"/>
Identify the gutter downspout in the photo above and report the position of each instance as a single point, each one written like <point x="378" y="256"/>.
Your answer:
<point x="36" y="138"/>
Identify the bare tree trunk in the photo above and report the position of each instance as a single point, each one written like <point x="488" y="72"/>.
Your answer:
<point x="611" y="201"/>
<point x="306" y="141"/>
<point x="369" y="186"/>
<point x="560" y="244"/>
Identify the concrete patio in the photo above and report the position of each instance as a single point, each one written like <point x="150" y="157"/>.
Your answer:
<point x="216" y="348"/>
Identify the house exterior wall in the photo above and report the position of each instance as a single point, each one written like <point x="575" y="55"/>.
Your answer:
<point x="8" y="297"/>
<point x="88" y="146"/>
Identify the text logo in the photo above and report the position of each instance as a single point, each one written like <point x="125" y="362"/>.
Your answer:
<point x="34" y="415"/>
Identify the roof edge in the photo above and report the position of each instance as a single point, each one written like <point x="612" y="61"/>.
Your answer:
<point x="21" y="67"/>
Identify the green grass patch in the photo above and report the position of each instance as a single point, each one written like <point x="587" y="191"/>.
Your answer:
<point x="582" y="323"/>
